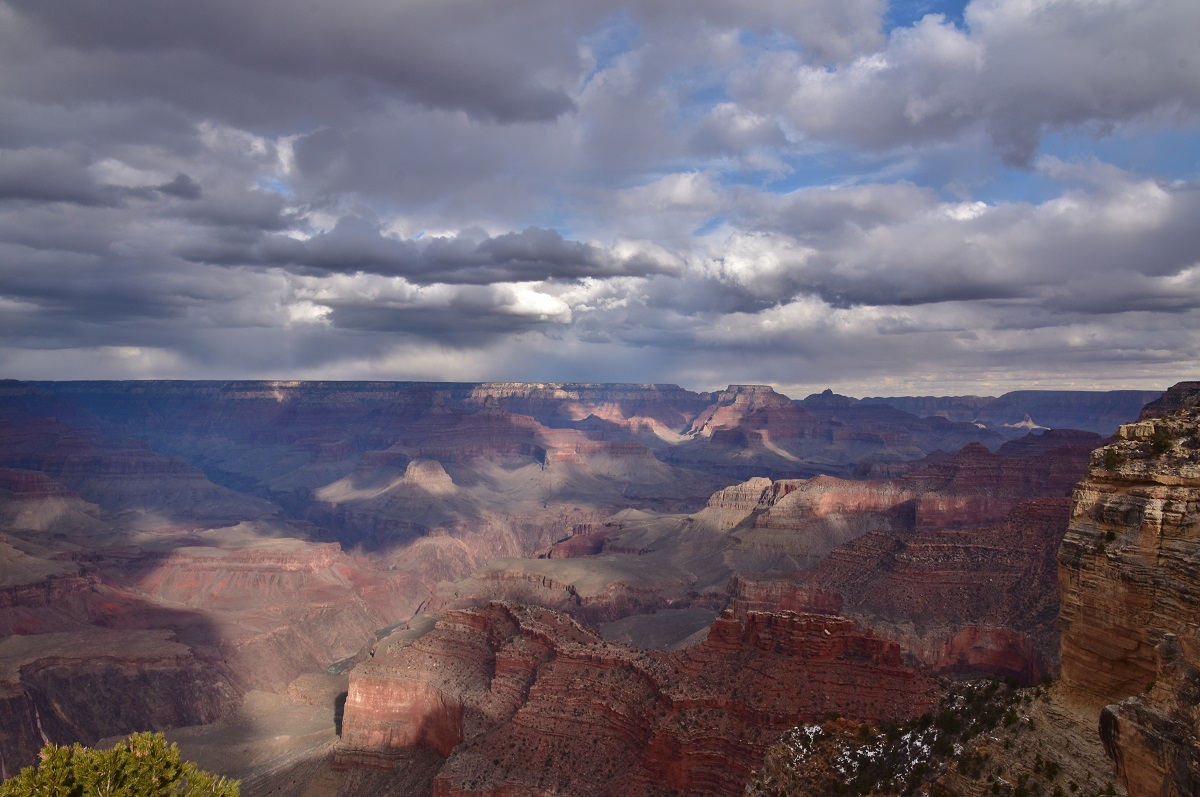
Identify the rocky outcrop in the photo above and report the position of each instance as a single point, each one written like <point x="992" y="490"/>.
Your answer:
<point x="732" y="406"/>
<point x="756" y="595"/>
<point x="1128" y="569"/>
<point x="794" y="524"/>
<point x="525" y="701"/>
<point x="984" y="737"/>
<point x="1154" y="738"/>
<point x="955" y="560"/>
<point x="84" y="686"/>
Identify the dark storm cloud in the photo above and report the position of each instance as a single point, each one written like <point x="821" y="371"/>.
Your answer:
<point x="48" y="175"/>
<point x="181" y="186"/>
<point x="424" y="52"/>
<point x="87" y="288"/>
<point x="356" y="246"/>
<point x="415" y="160"/>
<point x="254" y="209"/>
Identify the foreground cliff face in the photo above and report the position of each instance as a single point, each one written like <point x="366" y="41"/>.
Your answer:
<point x="1153" y="737"/>
<point x="526" y="701"/>
<point x="1130" y="606"/>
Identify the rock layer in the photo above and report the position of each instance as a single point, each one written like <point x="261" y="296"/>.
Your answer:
<point x="1154" y="738"/>
<point x="1129" y="568"/>
<point x="526" y="701"/>
<point x="955" y="560"/>
<point x="89" y="685"/>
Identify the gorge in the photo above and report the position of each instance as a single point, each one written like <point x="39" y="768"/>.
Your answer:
<point x="588" y="589"/>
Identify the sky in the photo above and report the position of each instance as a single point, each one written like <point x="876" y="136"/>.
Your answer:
<point x="915" y="197"/>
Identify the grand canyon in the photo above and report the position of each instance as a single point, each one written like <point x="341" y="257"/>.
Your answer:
<point x="510" y="589"/>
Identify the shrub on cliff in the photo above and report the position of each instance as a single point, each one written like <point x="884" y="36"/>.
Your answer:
<point x="144" y="765"/>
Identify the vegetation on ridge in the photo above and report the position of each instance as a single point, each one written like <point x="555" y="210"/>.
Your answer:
<point x="144" y="765"/>
<point x="972" y="743"/>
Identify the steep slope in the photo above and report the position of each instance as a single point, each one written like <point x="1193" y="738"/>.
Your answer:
<point x="1128" y="569"/>
<point x="983" y="738"/>
<point x="956" y="560"/>
<point x="525" y="701"/>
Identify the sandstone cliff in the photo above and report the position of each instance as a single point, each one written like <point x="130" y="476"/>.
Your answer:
<point x="955" y="560"/>
<point x="1130" y="607"/>
<point x="525" y="701"/>
<point x="87" y="685"/>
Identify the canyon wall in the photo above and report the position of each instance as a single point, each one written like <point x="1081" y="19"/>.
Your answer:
<point x="86" y="685"/>
<point x="955" y="560"/>
<point x="526" y="701"/>
<point x="1129" y="568"/>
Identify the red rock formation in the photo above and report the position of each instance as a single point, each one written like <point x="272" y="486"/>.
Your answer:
<point x="953" y="560"/>
<point x="746" y="595"/>
<point x="118" y="474"/>
<point x="974" y="601"/>
<point x="1154" y="738"/>
<point x="733" y="405"/>
<point x="586" y="543"/>
<point x="1128" y="570"/>
<point x="537" y="703"/>
<point x="666" y="407"/>
<point x="433" y="482"/>
<point x="753" y="427"/>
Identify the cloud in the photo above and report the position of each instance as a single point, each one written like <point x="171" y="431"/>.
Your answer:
<point x="460" y="316"/>
<point x="427" y="53"/>
<point x="700" y="193"/>
<point x="1018" y="69"/>
<point x="49" y="175"/>
<point x="182" y="186"/>
<point x="358" y="246"/>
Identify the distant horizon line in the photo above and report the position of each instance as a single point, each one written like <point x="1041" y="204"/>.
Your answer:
<point x="783" y="390"/>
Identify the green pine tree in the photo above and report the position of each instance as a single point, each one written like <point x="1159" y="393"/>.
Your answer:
<point x="144" y="765"/>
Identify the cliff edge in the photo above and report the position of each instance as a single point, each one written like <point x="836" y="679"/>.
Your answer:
<point x="1128" y="569"/>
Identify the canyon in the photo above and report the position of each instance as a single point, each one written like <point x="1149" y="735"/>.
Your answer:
<point x="504" y="588"/>
<point x="1123" y="716"/>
